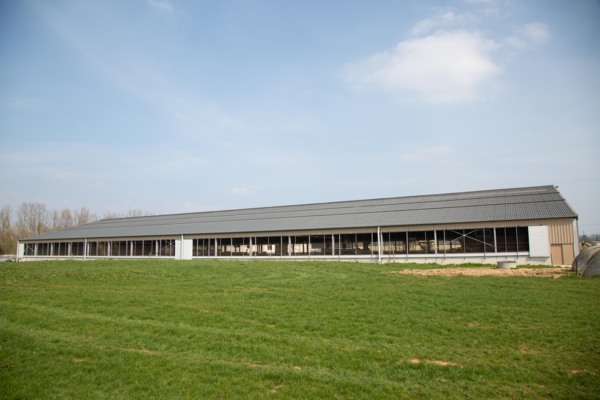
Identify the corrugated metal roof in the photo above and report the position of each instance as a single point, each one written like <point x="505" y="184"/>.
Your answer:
<point x="489" y="205"/>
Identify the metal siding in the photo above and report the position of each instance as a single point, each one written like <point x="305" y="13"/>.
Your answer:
<point x="568" y="255"/>
<point x="561" y="232"/>
<point x="557" y="255"/>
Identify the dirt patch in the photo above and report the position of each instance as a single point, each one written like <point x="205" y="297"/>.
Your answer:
<point x="277" y="388"/>
<point x="486" y="271"/>
<point x="581" y="371"/>
<point x="524" y="349"/>
<point x="434" y="362"/>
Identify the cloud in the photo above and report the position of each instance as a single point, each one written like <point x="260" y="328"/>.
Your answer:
<point x="446" y="67"/>
<point x="534" y="33"/>
<point x="446" y="19"/>
<point x="487" y="2"/>
<point x="241" y="191"/>
<point x="161" y="5"/>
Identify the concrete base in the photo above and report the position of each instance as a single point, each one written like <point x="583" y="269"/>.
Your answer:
<point x="506" y="264"/>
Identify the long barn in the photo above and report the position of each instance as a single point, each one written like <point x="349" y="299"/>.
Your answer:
<point x="531" y="225"/>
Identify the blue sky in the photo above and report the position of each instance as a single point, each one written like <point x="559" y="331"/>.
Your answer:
<point x="177" y="106"/>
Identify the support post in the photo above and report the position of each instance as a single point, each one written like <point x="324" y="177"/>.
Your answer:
<point x="379" y="243"/>
<point x="332" y="244"/>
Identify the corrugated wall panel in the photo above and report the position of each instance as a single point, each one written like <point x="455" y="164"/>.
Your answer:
<point x="562" y="226"/>
<point x="561" y="232"/>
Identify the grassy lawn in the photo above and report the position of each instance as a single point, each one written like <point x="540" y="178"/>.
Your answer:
<point x="306" y="330"/>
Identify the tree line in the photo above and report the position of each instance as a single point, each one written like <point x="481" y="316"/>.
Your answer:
<point x="33" y="219"/>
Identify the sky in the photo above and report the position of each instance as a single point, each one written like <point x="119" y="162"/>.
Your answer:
<point x="173" y="106"/>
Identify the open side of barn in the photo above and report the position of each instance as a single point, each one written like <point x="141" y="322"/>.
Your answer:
<point x="532" y="225"/>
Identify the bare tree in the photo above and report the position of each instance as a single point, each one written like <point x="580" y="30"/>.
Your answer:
<point x="111" y="215"/>
<point x="67" y="218"/>
<point x="32" y="219"/>
<point x="8" y="236"/>
<point x="63" y="219"/>
<point x="134" y="212"/>
<point x="84" y="216"/>
<point x="55" y="220"/>
<point x="5" y="214"/>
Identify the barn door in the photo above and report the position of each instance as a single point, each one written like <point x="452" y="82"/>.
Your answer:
<point x="557" y="254"/>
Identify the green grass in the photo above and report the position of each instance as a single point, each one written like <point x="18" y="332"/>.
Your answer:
<point x="303" y="330"/>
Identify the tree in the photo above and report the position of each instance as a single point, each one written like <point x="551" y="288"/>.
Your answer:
<point x="134" y="212"/>
<point x="110" y="215"/>
<point x="5" y="214"/>
<point x="32" y="219"/>
<point x="84" y="216"/>
<point x="8" y="236"/>
<point x="63" y="219"/>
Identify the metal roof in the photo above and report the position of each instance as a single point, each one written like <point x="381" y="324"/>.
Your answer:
<point x="541" y="202"/>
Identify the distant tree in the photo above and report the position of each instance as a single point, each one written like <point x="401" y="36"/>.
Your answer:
<point x="63" y="219"/>
<point x="138" y="213"/>
<point x="84" y="216"/>
<point x="32" y="219"/>
<point x="67" y="218"/>
<point x="110" y="215"/>
<point x="8" y="236"/>
<point x="5" y="215"/>
<point x="593" y="236"/>
<point x="55" y="220"/>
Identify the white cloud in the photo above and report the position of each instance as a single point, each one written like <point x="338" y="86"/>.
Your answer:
<point x="161" y="5"/>
<point x="444" y="20"/>
<point x="534" y="33"/>
<point x="488" y="2"/>
<point x="240" y="191"/>
<point x="447" y="67"/>
<point x="516" y="42"/>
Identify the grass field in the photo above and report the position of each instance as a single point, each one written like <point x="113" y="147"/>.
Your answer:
<point x="302" y="330"/>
